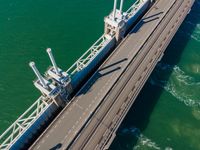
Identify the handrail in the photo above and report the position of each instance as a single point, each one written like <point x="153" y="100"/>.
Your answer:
<point x="88" y="56"/>
<point x="24" y="122"/>
<point x="16" y="130"/>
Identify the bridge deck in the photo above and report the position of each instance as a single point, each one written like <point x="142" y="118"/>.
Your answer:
<point x="72" y="119"/>
<point x="104" y="123"/>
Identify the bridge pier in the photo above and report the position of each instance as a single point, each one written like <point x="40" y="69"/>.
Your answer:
<point x="46" y="88"/>
<point x="60" y="78"/>
<point x="115" y="22"/>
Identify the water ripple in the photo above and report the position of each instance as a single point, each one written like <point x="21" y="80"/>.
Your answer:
<point x="182" y="86"/>
<point x="143" y="141"/>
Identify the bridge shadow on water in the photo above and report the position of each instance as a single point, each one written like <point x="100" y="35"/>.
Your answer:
<point x="139" y="114"/>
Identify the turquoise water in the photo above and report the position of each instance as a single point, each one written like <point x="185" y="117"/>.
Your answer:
<point x="166" y="115"/>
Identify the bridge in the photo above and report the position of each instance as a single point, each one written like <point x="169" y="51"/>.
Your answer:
<point x="91" y="98"/>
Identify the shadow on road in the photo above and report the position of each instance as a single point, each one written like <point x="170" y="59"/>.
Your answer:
<point x="145" y="20"/>
<point x="57" y="147"/>
<point x="101" y="73"/>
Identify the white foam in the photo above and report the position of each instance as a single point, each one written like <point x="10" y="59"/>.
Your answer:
<point x="143" y="141"/>
<point x="183" y="77"/>
<point x="179" y="84"/>
<point x="196" y="33"/>
<point x="168" y="148"/>
<point x="182" y="97"/>
<point x="146" y="142"/>
<point x="195" y="37"/>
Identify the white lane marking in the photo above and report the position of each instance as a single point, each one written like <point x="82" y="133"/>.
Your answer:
<point x="79" y="106"/>
<point x="38" y="147"/>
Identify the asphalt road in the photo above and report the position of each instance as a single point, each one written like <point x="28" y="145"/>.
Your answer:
<point x="80" y="113"/>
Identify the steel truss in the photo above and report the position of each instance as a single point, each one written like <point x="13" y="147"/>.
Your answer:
<point x="24" y="122"/>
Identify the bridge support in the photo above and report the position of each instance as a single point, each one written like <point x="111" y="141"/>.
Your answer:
<point x="53" y="61"/>
<point x="114" y="9"/>
<point x="60" y="78"/>
<point x="115" y="22"/>
<point x="37" y="73"/>
<point x="46" y="88"/>
<point x="121" y="6"/>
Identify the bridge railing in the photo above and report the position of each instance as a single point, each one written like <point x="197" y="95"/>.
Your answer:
<point x="36" y="109"/>
<point x="134" y="7"/>
<point x="88" y="56"/>
<point x="16" y="130"/>
<point x="24" y="122"/>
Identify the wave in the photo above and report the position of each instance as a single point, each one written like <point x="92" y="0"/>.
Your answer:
<point x="143" y="141"/>
<point x="197" y="26"/>
<point x="168" y="148"/>
<point x="146" y="142"/>
<point x="195" y="37"/>
<point x="180" y="85"/>
<point x="196" y="33"/>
